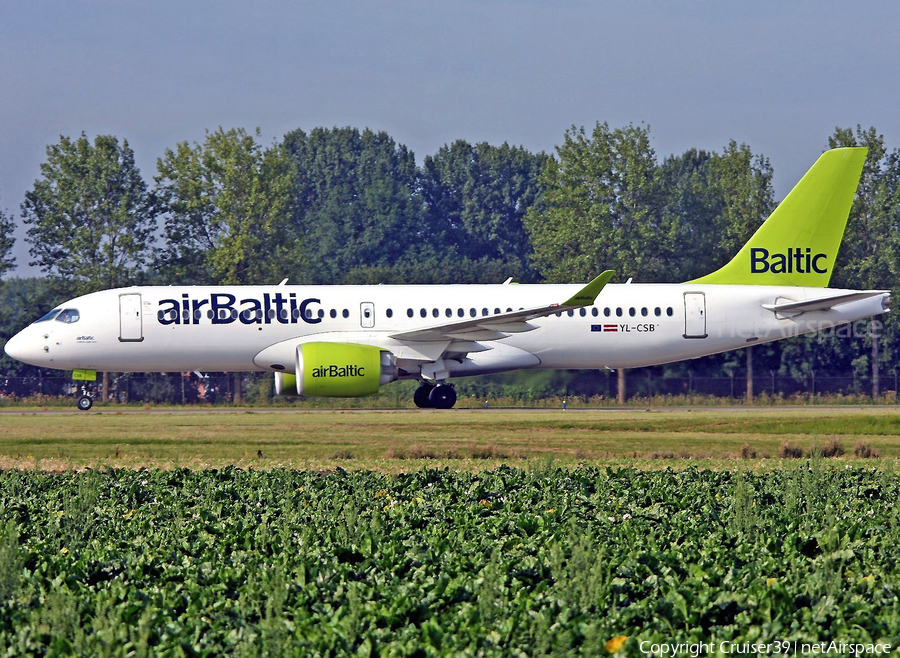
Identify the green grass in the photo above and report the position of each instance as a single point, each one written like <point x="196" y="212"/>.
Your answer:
<point x="391" y="440"/>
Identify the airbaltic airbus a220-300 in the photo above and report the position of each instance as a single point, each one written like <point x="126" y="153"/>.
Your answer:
<point x="350" y="340"/>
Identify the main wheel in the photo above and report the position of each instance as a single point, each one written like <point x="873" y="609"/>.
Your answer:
<point x="85" y="402"/>
<point x="442" y="397"/>
<point x="421" y="396"/>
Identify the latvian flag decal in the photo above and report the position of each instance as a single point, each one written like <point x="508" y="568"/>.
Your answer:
<point x="605" y="328"/>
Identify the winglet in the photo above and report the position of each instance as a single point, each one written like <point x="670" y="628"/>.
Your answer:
<point x="587" y="295"/>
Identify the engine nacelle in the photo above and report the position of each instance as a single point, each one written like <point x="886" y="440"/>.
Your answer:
<point x="337" y="370"/>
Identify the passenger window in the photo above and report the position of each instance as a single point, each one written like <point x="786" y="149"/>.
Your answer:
<point x="423" y="313"/>
<point x="333" y="313"/>
<point x="389" y="313"/>
<point x="570" y="313"/>
<point x="631" y="311"/>
<point x="449" y="313"/>
<point x="657" y="311"/>
<point x="345" y="313"/>
<point x="619" y="312"/>
<point x="670" y="312"/>
<point x="409" y="313"/>
<point x="582" y="312"/>
<point x="69" y="316"/>
<point x="472" y="312"/>
<point x="460" y="312"/>
<point x="496" y="311"/>
<point x="436" y="313"/>
<point x="484" y="311"/>
<point x="595" y="311"/>
<point x="644" y="312"/>
<point x="606" y="313"/>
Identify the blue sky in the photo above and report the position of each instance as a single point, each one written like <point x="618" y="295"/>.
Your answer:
<point x="778" y="75"/>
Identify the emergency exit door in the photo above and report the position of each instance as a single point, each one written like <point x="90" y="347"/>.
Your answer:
<point x="131" y="329"/>
<point x="694" y="315"/>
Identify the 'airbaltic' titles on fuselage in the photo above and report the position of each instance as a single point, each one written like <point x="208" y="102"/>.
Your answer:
<point x="224" y="308"/>
<point x="795" y="260"/>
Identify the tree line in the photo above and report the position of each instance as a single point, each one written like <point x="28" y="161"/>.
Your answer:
<point x="344" y="205"/>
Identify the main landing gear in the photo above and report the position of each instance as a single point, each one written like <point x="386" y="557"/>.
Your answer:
<point x="429" y="396"/>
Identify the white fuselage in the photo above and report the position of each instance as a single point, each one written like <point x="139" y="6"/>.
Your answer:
<point x="245" y="328"/>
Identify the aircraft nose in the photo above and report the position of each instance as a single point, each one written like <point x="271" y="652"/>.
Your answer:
<point x="18" y="348"/>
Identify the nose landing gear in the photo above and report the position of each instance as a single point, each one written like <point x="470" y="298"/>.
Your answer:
<point x="429" y="396"/>
<point x="85" y="401"/>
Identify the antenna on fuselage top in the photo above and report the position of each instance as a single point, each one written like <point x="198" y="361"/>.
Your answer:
<point x="284" y="281"/>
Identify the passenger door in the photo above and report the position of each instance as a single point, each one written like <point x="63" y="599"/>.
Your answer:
<point x="694" y="315"/>
<point x="131" y="328"/>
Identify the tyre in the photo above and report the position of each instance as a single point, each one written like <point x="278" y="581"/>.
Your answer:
<point x="421" y="396"/>
<point x="442" y="397"/>
<point x="85" y="402"/>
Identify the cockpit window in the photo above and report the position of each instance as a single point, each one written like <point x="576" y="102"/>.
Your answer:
<point x="48" y="316"/>
<point x="69" y="316"/>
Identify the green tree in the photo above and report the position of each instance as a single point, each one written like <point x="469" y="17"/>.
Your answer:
<point x="600" y="208"/>
<point x="713" y="203"/>
<point x="91" y="218"/>
<point x="741" y="184"/>
<point x="476" y="196"/>
<point x="227" y="209"/>
<point x="7" y="240"/>
<point x="870" y="254"/>
<point x="356" y="201"/>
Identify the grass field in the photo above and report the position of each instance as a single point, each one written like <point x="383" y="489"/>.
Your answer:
<point x="394" y="441"/>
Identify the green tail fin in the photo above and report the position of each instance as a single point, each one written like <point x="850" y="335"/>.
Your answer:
<point x="798" y="244"/>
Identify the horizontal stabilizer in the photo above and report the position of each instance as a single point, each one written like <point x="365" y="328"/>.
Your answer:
<point x="823" y="303"/>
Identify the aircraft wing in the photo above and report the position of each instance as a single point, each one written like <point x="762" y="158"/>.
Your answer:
<point x="823" y="303"/>
<point x="495" y="327"/>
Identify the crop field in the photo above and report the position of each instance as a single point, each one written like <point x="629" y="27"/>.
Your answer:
<point x="447" y="533"/>
<point x="587" y="561"/>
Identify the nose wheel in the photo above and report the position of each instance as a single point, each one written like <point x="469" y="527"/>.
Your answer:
<point x="428" y="396"/>
<point x="84" y="401"/>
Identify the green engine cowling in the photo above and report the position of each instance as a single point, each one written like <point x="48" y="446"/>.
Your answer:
<point x="338" y="370"/>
